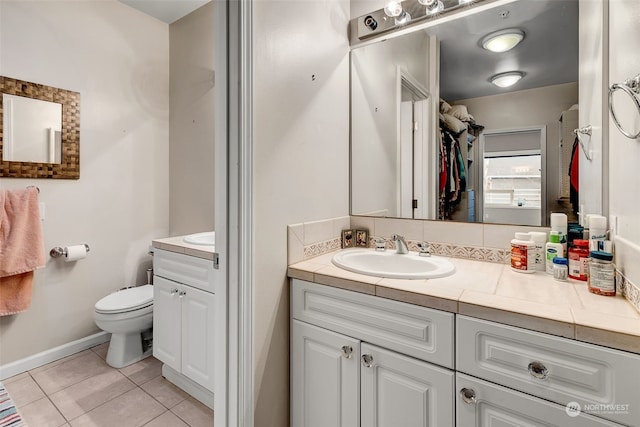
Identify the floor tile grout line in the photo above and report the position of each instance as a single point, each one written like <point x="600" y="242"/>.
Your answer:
<point x="48" y="397"/>
<point x="68" y="420"/>
<point x="151" y="420"/>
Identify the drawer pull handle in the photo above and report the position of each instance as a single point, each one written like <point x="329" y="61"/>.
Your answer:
<point x="174" y="291"/>
<point x="468" y="396"/>
<point x="182" y="293"/>
<point x="367" y="360"/>
<point x="347" y="351"/>
<point x="538" y="370"/>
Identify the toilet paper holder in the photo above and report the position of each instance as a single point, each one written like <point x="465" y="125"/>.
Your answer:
<point x="58" y="252"/>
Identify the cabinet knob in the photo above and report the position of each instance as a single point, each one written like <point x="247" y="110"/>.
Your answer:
<point x="174" y="291"/>
<point x="538" y="370"/>
<point x="347" y="351"/>
<point x="182" y="293"/>
<point x="367" y="360"/>
<point x="468" y="396"/>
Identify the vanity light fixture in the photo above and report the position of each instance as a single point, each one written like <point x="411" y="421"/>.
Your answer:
<point x="393" y="8"/>
<point x="433" y="6"/>
<point x="503" y="40"/>
<point x="403" y="18"/>
<point x="507" y="79"/>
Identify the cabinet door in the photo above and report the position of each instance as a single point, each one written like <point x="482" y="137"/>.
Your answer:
<point x="197" y="335"/>
<point x="483" y="404"/>
<point x="397" y="390"/>
<point x="324" y="378"/>
<point x="166" y="322"/>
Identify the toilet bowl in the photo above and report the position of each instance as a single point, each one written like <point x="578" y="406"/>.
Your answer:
<point x="128" y="315"/>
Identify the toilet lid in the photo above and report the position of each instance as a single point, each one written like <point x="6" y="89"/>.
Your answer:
<point x="126" y="300"/>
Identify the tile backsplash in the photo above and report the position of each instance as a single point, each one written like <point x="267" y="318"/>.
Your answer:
<point x="484" y="242"/>
<point x="481" y="242"/>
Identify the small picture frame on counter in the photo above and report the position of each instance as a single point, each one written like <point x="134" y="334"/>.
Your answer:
<point x="347" y="238"/>
<point x="362" y="238"/>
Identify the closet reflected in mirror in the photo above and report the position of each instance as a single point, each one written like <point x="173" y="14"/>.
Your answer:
<point x="471" y="147"/>
<point x="39" y="131"/>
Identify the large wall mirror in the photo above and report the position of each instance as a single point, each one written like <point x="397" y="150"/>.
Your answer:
<point x="436" y="134"/>
<point x="39" y="131"/>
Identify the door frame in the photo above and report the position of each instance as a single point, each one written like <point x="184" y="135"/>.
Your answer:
<point x="233" y="220"/>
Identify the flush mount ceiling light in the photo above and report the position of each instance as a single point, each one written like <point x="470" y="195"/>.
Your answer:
<point x="507" y="79"/>
<point x="433" y="6"/>
<point x="503" y="40"/>
<point x="393" y="8"/>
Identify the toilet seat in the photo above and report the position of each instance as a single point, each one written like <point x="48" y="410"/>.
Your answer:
<point x="125" y="300"/>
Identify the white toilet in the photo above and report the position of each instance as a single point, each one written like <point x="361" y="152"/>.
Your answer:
<point x="128" y="315"/>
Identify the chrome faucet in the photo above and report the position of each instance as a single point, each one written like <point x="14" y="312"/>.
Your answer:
<point x="401" y="244"/>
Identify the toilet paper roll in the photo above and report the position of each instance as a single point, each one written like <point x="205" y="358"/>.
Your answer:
<point x="74" y="253"/>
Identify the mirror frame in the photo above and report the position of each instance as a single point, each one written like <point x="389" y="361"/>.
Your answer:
<point x="69" y="167"/>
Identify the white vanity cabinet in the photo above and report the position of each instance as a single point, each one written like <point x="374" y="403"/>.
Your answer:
<point x="599" y="380"/>
<point x="484" y="404"/>
<point x="359" y="360"/>
<point x="183" y="315"/>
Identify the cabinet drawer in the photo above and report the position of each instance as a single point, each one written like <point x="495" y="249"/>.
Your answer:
<point x="416" y="331"/>
<point x="603" y="381"/>
<point x="181" y="268"/>
<point x="482" y="404"/>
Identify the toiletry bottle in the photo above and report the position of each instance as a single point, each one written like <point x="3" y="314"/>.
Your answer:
<point x="559" y="224"/>
<point x="578" y="259"/>
<point x="597" y="231"/>
<point x="523" y="253"/>
<point x="601" y="277"/>
<point x="560" y="269"/>
<point x="539" y="238"/>
<point x="553" y="249"/>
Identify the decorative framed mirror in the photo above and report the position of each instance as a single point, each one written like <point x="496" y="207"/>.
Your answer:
<point x="39" y="131"/>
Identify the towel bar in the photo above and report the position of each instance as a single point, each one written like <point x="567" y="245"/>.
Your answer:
<point x="632" y="88"/>
<point x="584" y="131"/>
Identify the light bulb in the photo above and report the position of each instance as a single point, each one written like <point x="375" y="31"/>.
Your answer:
<point x="393" y="8"/>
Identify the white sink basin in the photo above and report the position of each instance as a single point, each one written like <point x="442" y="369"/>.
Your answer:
<point x="207" y="238"/>
<point x="393" y="265"/>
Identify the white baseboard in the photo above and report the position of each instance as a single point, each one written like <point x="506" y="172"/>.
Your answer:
<point x="39" y="359"/>
<point x="194" y="389"/>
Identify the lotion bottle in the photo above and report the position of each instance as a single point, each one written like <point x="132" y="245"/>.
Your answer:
<point x="553" y="249"/>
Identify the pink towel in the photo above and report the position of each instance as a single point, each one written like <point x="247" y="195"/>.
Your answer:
<point x="21" y="248"/>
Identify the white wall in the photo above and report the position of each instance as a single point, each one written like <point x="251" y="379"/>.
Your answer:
<point x="375" y="134"/>
<point x="118" y="59"/>
<point x="593" y="103"/>
<point x="301" y="164"/>
<point x="624" y="63"/>
<point x="191" y="153"/>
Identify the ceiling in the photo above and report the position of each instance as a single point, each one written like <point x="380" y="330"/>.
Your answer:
<point x="167" y="11"/>
<point x="548" y="55"/>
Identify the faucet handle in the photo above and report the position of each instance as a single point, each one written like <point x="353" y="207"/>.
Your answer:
<point x="424" y="248"/>
<point x="381" y="244"/>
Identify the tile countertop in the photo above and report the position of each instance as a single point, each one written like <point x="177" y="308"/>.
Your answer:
<point x="178" y="245"/>
<point x="495" y="292"/>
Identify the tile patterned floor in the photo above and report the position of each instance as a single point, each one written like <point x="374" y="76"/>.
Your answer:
<point x="82" y="390"/>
